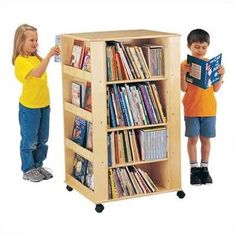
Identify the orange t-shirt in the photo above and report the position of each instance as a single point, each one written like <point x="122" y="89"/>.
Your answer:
<point x="199" y="102"/>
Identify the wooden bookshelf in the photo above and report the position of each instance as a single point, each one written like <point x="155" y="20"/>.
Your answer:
<point x="165" y="173"/>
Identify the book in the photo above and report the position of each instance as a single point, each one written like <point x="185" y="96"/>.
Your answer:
<point x="86" y="65"/>
<point x="80" y="168"/>
<point x="79" y="131"/>
<point x="77" y="93"/>
<point x="77" y="54"/>
<point x="89" y="136"/>
<point x="83" y="171"/>
<point x="203" y="73"/>
<point x="89" y="177"/>
<point x="154" y="55"/>
<point x="87" y="105"/>
<point x="57" y="58"/>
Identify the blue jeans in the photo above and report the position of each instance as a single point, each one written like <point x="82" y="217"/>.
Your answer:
<point x="34" y="129"/>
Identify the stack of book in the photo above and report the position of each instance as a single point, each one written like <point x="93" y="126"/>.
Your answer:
<point x="154" y="55"/>
<point x="153" y="143"/>
<point x="133" y="146"/>
<point x="136" y="104"/>
<point x="129" y="180"/>
<point x="125" y="62"/>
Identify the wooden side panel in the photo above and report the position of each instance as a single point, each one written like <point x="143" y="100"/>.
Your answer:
<point x="99" y="117"/>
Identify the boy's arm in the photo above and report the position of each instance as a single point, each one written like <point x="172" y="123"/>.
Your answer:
<point x="183" y="70"/>
<point x="38" y="72"/>
<point x="217" y="85"/>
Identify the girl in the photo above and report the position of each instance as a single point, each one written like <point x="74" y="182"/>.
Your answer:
<point x="34" y="109"/>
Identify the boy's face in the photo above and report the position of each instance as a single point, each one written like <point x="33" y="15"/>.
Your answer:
<point x="198" y="49"/>
<point x="31" y="42"/>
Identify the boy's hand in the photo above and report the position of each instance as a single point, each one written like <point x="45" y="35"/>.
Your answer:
<point x="221" y="71"/>
<point x="185" y="68"/>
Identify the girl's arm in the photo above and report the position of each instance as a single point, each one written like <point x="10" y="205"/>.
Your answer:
<point x="38" y="72"/>
<point x="217" y="85"/>
<point x="184" y="69"/>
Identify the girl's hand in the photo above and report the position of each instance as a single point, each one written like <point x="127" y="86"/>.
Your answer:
<point x="54" y="51"/>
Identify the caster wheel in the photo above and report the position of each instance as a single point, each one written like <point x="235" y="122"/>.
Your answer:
<point x="181" y="194"/>
<point x="99" y="208"/>
<point x="69" y="188"/>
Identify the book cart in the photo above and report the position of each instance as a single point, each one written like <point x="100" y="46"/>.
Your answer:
<point x="165" y="172"/>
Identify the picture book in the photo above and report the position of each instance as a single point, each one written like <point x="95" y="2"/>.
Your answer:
<point x="79" y="131"/>
<point x="87" y="105"/>
<point x="80" y="168"/>
<point x="77" y="54"/>
<point x="83" y="171"/>
<point x="76" y="93"/>
<point x="154" y="55"/>
<point x="89" y="177"/>
<point x="57" y="58"/>
<point x="86" y="61"/>
<point x="203" y="73"/>
<point x="89" y="136"/>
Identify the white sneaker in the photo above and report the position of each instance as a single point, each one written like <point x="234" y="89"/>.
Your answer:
<point x="33" y="175"/>
<point x="45" y="173"/>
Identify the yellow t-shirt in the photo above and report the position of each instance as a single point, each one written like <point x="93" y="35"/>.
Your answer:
<point x="35" y="93"/>
<point x="199" y="102"/>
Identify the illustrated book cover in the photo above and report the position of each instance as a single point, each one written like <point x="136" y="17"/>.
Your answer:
<point x="203" y="73"/>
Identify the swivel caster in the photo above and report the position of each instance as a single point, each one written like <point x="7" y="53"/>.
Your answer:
<point x="69" y="188"/>
<point x="181" y="194"/>
<point x="99" y="208"/>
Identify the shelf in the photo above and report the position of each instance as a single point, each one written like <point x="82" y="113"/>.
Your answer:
<point x="78" y="149"/>
<point x="165" y="173"/>
<point x="137" y="163"/>
<point x="120" y="35"/>
<point x="109" y="129"/>
<point x="72" y="71"/>
<point x="86" y="115"/>
<point x="75" y="184"/>
<point x="153" y="79"/>
<point x="159" y="191"/>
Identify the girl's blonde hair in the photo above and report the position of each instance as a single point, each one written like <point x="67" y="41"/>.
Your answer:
<point x="19" y="40"/>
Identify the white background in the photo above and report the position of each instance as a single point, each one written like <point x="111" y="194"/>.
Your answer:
<point x="47" y="207"/>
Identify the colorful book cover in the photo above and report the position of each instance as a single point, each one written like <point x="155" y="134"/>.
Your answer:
<point x="76" y="93"/>
<point x="80" y="168"/>
<point x="88" y="97"/>
<point x="89" y="177"/>
<point x="203" y="73"/>
<point x="79" y="131"/>
<point x="77" y="54"/>
<point x="87" y="60"/>
<point x="57" y="58"/>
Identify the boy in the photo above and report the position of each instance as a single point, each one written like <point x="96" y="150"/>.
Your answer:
<point x="199" y="110"/>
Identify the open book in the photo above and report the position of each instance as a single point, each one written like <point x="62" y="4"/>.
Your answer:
<point x="203" y="73"/>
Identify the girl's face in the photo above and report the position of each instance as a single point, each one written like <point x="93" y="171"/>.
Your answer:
<point x="198" y="49"/>
<point x="31" y="42"/>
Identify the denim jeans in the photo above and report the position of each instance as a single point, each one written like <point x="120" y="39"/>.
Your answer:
<point x="34" y="129"/>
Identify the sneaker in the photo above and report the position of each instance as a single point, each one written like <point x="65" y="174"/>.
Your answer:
<point x="33" y="175"/>
<point x="47" y="175"/>
<point x="194" y="176"/>
<point x="205" y="176"/>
